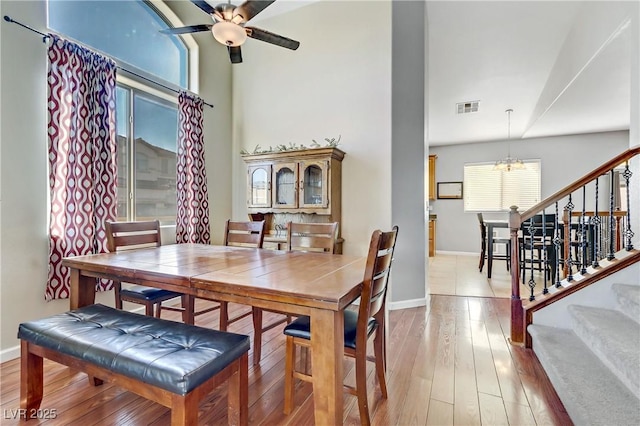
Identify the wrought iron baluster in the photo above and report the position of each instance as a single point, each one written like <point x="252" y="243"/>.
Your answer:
<point x="595" y="233"/>
<point x="569" y="260"/>
<point x="531" y="283"/>
<point x="611" y="255"/>
<point x="628" y="233"/>
<point x="557" y="242"/>
<point x="545" y="257"/>
<point x="583" y="232"/>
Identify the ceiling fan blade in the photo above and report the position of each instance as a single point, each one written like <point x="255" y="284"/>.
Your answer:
<point x="204" y="6"/>
<point x="250" y="8"/>
<point x="189" y="29"/>
<point x="272" y="38"/>
<point x="235" y="54"/>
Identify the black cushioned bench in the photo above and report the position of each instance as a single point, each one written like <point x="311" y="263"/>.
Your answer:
<point x="171" y="363"/>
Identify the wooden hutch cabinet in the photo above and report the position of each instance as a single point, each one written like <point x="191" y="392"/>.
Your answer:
<point x="432" y="196"/>
<point x="299" y="186"/>
<point x="432" y="177"/>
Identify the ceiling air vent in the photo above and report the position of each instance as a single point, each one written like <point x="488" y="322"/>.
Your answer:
<point x="467" y="107"/>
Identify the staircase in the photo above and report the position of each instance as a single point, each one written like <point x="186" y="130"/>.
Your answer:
<point x="584" y="323"/>
<point x="594" y="365"/>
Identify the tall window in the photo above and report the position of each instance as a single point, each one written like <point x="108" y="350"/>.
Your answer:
<point x="147" y="120"/>
<point x="147" y="129"/>
<point x="128" y="31"/>
<point x="487" y="190"/>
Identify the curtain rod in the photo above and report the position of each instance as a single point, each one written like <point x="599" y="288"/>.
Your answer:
<point x="46" y="36"/>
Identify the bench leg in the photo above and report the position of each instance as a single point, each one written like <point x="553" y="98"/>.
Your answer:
<point x="238" y="396"/>
<point x="31" y="379"/>
<point x="94" y="381"/>
<point x="184" y="410"/>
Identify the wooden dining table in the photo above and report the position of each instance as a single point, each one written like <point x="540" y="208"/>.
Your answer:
<point x="318" y="285"/>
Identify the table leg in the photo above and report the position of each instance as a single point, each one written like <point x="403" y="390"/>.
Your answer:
<point x="83" y="290"/>
<point x="489" y="250"/>
<point x="188" y="303"/>
<point x="327" y="352"/>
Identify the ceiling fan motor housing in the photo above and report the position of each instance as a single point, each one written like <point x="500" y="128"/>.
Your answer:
<point x="224" y="12"/>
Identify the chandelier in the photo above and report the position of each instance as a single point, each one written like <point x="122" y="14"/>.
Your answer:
<point x="509" y="163"/>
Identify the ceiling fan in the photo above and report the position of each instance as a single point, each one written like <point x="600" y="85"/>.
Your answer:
<point x="229" y="26"/>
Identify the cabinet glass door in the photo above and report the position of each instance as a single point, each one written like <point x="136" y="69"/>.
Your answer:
<point x="259" y="186"/>
<point x="314" y="184"/>
<point x="285" y="189"/>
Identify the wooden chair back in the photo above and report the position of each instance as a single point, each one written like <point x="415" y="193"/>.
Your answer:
<point x="244" y="234"/>
<point x="319" y="237"/>
<point x="483" y="230"/>
<point x="540" y="226"/>
<point x="132" y="235"/>
<point x="376" y="277"/>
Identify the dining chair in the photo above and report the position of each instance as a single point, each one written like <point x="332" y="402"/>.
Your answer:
<point x="239" y="234"/>
<point x="244" y="234"/>
<point x="140" y="234"/>
<point x="359" y="326"/>
<point x="536" y="246"/>
<point x="135" y="235"/>
<point x="318" y="237"/>
<point x="580" y="236"/>
<point x="313" y="237"/>
<point x="496" y="240"/>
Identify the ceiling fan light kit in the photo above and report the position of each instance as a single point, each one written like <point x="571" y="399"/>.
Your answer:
<point x="229" y="33"/>
<point x="228" y="26"/>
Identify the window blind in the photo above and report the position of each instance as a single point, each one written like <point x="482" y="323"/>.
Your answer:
<point x="487" y="189"/>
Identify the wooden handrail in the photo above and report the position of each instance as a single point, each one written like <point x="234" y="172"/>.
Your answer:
<point x="615" y="161"/>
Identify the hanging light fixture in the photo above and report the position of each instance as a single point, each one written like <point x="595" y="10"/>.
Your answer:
<point x="509" y="163"/>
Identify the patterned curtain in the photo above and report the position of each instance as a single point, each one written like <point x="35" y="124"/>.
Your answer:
<point x="82" y="157"/>
<point x="192" y="222"/>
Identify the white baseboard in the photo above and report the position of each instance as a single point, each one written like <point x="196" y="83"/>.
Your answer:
<point x="457" y="253"/>
<point x="406" y="304"/>
<point x="9" y="354"/>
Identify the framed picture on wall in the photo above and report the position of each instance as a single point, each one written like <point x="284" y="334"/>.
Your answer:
<point x="450" y="190"/>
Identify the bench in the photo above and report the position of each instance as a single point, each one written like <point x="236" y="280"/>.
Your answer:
<point x="171" y="363"/>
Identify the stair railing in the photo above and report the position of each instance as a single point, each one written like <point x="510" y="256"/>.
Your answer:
<point x="570" y="236"/>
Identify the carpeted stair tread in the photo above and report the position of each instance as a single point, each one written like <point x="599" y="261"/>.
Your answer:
<point x="590" y="392"/>
<point x="628" y="297"/>
<point x="614" y="338"/>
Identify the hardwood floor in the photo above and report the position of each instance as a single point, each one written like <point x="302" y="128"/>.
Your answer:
<point x="448" y="363"/>
<point x="459" y="276"/>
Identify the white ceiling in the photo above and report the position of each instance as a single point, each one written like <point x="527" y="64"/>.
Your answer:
<point x="562" y="66"/>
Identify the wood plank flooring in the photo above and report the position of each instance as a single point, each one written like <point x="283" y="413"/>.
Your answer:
<point x="449" y="363"/>
<point x="459" y="276"/>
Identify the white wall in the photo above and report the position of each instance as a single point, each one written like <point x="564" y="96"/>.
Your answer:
<point x="23" y="161"/>
<point x="338" y="83"/>
<point x="563" y="159"/>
